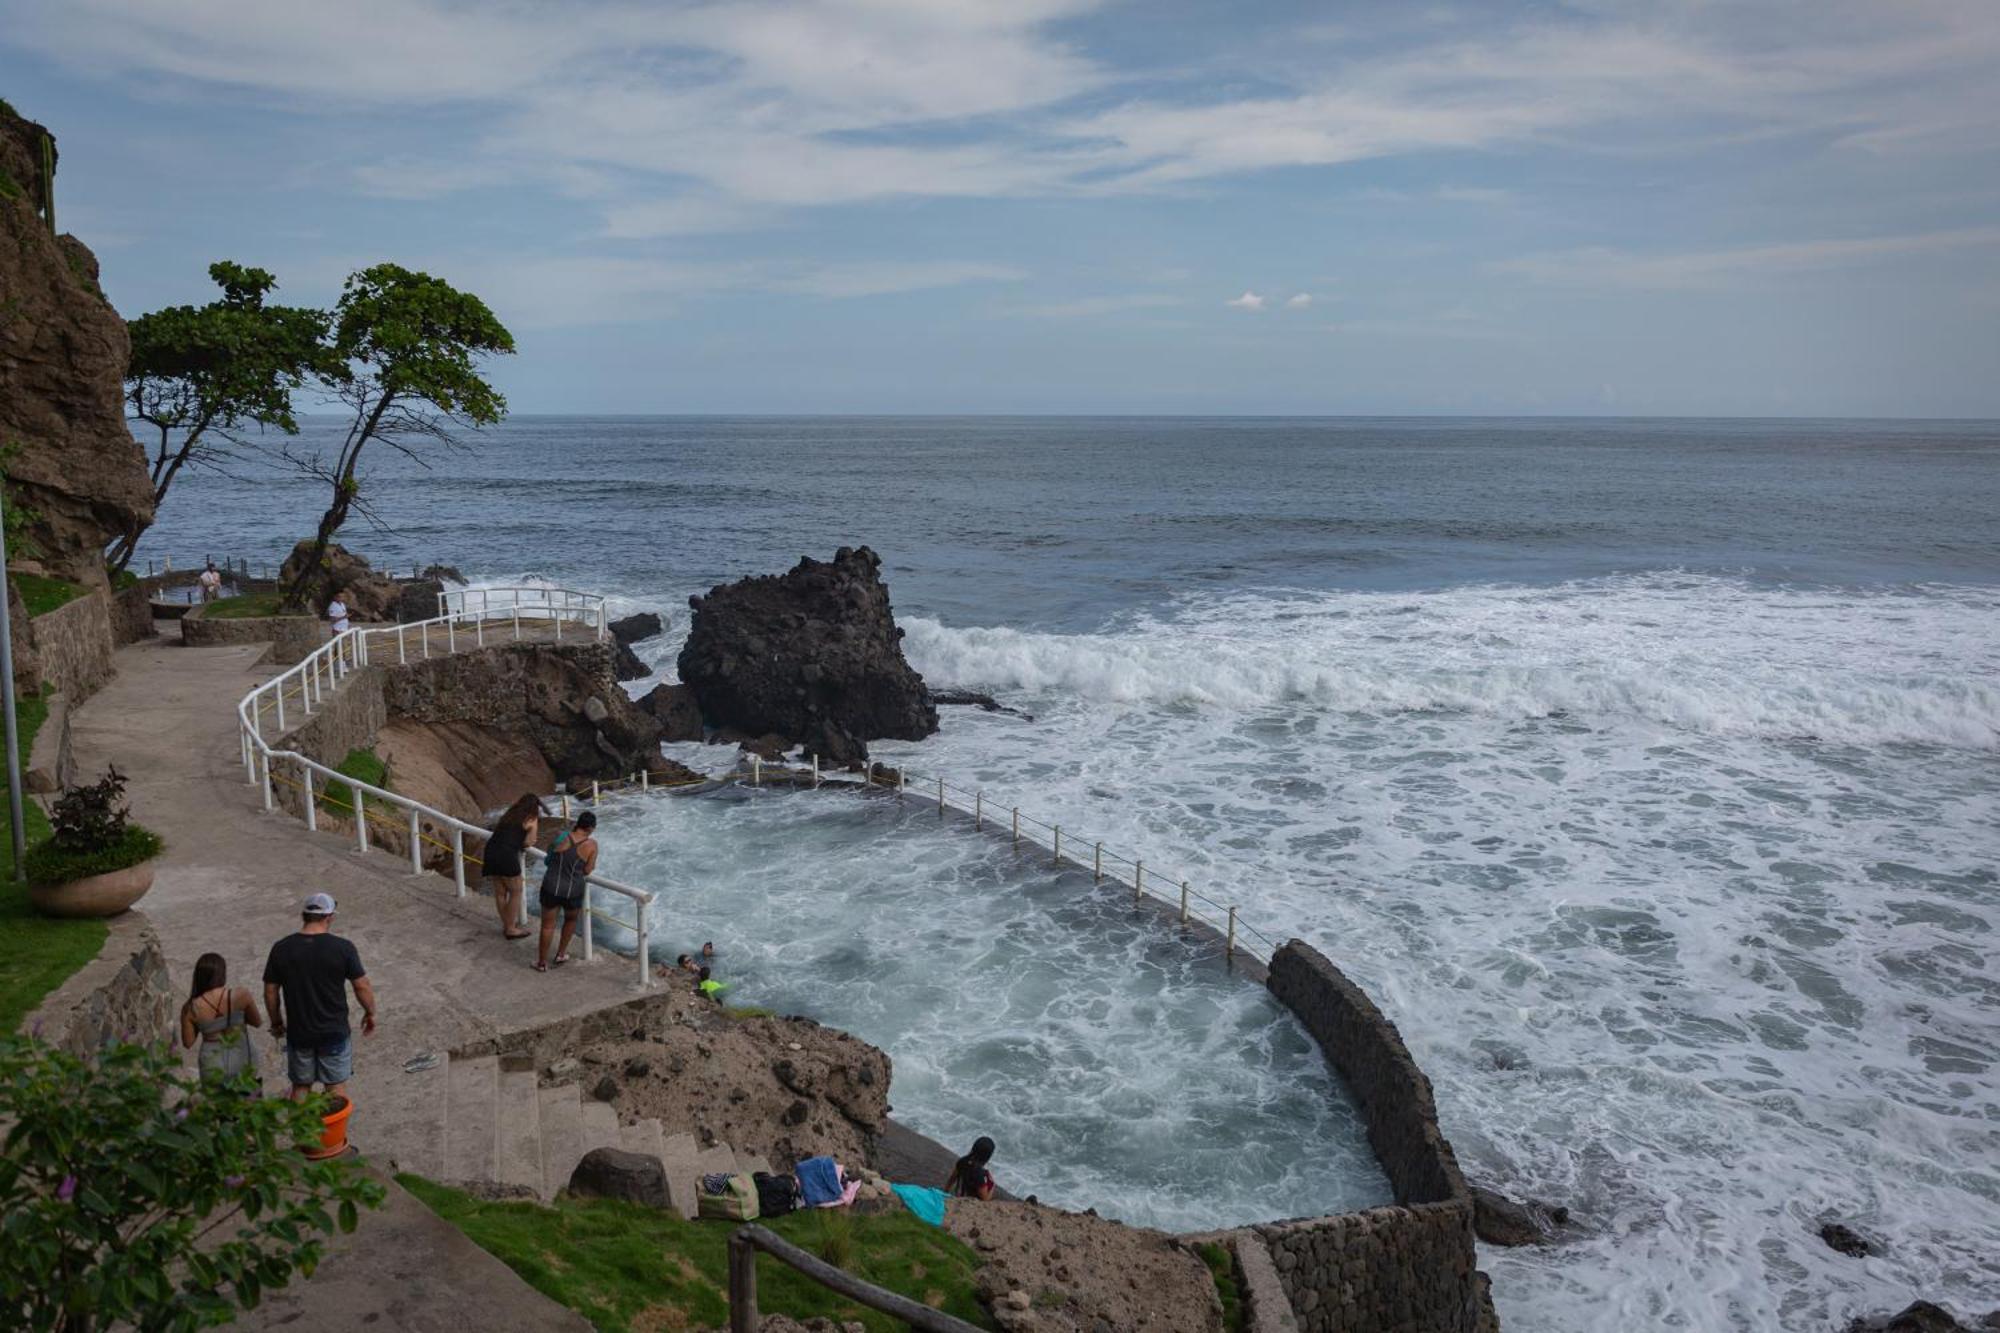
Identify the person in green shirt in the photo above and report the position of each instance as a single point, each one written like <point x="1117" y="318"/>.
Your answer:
<point x="712" y="989"/>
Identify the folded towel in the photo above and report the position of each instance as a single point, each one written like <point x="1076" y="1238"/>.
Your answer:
<point x="847" y="1196"/>
<point x="922" y="1200"/>
<point x="819" y="1181"/>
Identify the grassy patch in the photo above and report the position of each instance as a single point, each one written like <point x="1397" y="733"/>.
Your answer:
<point x="9" y="187"/>
<point x="363" y="764"/>
<point x="1222" y="1267"/>
<point x="43" y="595"/>
<point x="123" y="579"/>
<point x="624" y="1267"/>
<point x="41" y="952"/>
<point x="246" y="606"/>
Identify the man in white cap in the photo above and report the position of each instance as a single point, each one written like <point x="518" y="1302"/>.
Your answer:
<point x="305" y="990"/>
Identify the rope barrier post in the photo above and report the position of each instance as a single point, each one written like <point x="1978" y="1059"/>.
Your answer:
<point x="1138" y="880"/>
<point x="940" y="798"/>
<point x="312" y="812"/>
<point x="1184" y="902"/>
<point x="360" y="818"/>
<point x="1056" y="859"/>
<point x="1017" y="828"/>
<point x="644" y="948"/>
<point x="416" y="844"/>
<point x="458" y="860"/>
<point x="1097" y="865"/>
<point x="1230" y="948"/>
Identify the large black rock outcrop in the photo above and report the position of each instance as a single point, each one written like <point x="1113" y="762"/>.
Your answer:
<point x="813" y="655"/>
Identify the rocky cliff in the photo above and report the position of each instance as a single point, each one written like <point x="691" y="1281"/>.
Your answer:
<point x="812" y="655"/>
<point x="71" y="462"/>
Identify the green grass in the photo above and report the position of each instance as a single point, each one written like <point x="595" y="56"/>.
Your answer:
<point x="123" y="579"/>
<point x="40" y="952"/>
<point x="243" y="607"/>
<point x="43" y="595"/>
<point x="9" y="187"/>
<point x="367" y="766"/>
<point x="1222" y="1267"/>
<point x="625" y="1267"/>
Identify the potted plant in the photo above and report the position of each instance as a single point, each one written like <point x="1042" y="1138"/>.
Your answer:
<point x="95" y="863"/>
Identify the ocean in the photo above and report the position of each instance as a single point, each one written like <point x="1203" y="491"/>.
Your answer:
<point x="1645" y="772"/>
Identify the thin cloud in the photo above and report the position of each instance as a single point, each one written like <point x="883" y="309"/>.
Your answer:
<point x="1603" y="267"/>
<point x="1089" y="307"/>
<point x="1247" y="301"/>
<point x="1299" y="302"/>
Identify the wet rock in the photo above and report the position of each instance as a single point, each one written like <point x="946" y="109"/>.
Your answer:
<point x="1839" y="1236"/>
<point x="1499" y="1220"/>
<point x="1922" y="1317"/>
<point x="632" y="629"/>
<point x="613" y="1173"/>
<point x="813" y="654"/>
<point x="628" y="665"/>
<point x="605" y="1089"/>
<point x="675" y="709"/>
<point x="974" y="699"/>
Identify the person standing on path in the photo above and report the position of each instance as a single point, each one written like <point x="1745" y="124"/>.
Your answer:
<point x="305" y="988"/>
<point x="500" y="861"/>
<point x="564" y="884"/>
<point x="336" y="612"/>
<point x="216" y="1018"/>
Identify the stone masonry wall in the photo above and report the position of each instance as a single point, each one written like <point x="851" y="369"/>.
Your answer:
<point x="1411" y="1266"/>
<point x="73" y="646"/>
<point x="292" y="638"/>
<point x="125" y="994"/>
<point x="349" y="718"/>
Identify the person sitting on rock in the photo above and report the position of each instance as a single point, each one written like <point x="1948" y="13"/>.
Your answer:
<point x="969" y="1178"/>
<point x="687" y="964"/>
<point x="712" y="989"/>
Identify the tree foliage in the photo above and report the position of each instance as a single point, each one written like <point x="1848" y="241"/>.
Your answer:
<point x="134" y="1193"/>
<point x="200" y="374"/>
<point x="406" y="353"/>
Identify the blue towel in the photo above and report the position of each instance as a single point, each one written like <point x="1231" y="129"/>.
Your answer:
<point x="924" y="1201"/>
<point x="819" y="1181"/>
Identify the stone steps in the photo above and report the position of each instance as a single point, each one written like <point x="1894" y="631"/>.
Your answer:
<point x="502" y="1127"/>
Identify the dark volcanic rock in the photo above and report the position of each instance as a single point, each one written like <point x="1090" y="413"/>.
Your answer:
<point x="1500" y="1221"/>
<point x="974" y="699"/>
<point x="813" y="655"/>
<point x="1846" y="1239"/>
<point x="627" y="664"/>
<point x="417" y="600"/>
<point x="1921" y="1317"/>
<point x="631" y="629"/>
<point x="371" y="595"/>
<point x="612" y="1173"/>
<point x="673" y="706"/>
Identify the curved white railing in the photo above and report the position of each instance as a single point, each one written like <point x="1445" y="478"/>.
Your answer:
<point x="498" y="614"/>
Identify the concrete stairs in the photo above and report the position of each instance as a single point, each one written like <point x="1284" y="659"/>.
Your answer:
<point x="501" y="1127"/>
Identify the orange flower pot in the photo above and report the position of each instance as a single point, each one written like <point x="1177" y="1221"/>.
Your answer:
<point x="333" y="1138"/>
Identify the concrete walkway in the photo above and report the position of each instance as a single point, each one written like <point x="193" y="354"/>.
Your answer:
<point x="232" y="879"/>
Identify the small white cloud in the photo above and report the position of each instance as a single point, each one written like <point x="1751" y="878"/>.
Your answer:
<point x="1247" y="301"/>
<point x="1299" y="302"/>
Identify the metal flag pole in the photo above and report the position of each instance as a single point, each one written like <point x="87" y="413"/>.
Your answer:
<point x="19" y="829"/>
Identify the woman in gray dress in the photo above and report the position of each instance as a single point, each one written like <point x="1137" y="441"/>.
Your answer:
<point x="216" y="1018"/>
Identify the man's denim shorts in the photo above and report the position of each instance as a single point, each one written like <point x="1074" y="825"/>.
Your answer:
<point x="321" y="1064"/>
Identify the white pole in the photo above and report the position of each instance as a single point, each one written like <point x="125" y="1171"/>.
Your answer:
<point x="1017" y="828"/>
<point x="756" y="770"/>
<point x="280" y="693"/>
<point x="360" y="818"/>
<point x="1138" y="880"/>
<point x="267" y="780"/>
<point x="1184" y="902"/>
<point x="1097" y="865"/>
<point x="416" y="844"/>
<point x="1230" y="948"/>
<point x="645" y="967"/>
<point x="1056" y="858"/>
<point x="458" y="860"/>
<point x="815" y="772"/>
<point x="426" y="629"/>
<point x="312" y="806"/>
<point x="517" y="617"/>
<point x="402" y="649"/>
<point x="451" y="634"/>
<point x="588" y="935"/>
<point x="645" y="780"/>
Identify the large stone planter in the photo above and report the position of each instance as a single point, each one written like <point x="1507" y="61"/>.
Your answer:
<point x="292" y="638"/>
<point x="95" y="895"/>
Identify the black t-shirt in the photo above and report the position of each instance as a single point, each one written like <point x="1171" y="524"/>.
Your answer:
<point x="502" y="857"/>
<point x="313" y="972"/>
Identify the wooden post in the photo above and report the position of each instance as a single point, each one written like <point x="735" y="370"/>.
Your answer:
<point x="742" y="1286"/>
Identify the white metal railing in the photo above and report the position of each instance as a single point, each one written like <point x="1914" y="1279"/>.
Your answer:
<point x="505" y="614"/>
<point x="1027" y="831"/>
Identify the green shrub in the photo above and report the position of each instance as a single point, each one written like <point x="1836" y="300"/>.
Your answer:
<point x="93" y="835"/>
<point x="244" y="607"/>
<point x="52" y="864"/>
<point x="1222" y="1268"/>
<point x="119" y="1178"/>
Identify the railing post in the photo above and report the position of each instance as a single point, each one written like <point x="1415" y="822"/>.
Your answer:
<point x="815" y="771"/>
<point x="645" y="965"/>
<point x="565" y="805"/>
<point x="517" y="617"/>
<point x="1229" y="950"/>
<point x="360" y="818"/>
<point x="458" y="860"/>
<point x="1184" y="902"/>
<point x="557" y="616"/>
<point x="312" y="812"/>
<point x="594" y="796"/>
<point x="402" y="648"/>
<point x="425" y="630"/>
<point x="645" y="780"/>
<point x="1138" y="880"/>
<point x="742" y="1286"/>
<point x="1097" y="864"/>
<point x="451" y="634"/>
<point x="902" y="782"/>
<point x="588" y="917"/>
<point x="1055" y="848"/>
<point x="603" y="622"/>
<point x="479" y="628"/>
<point x="756" y="770"/>
<point x="267" y="780"/>
<point x="416" y="844"/>
<point x="279" y="694"/>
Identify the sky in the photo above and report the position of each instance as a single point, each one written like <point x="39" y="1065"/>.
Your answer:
<point x="943" y="206"/>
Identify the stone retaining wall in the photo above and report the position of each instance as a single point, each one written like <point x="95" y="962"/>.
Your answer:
<point x="292" y="638"/>
<point x="125" y="994"/>
<point x="73" y="646"/>
<point x="1411" y="1266"/>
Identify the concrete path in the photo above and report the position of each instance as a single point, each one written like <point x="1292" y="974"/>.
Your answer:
<point x="233" y="877"/>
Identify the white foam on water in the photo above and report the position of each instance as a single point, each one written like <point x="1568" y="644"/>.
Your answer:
<point x="1682" y="890"/>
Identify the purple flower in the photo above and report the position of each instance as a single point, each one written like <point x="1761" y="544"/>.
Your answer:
<point x="180" y="1114"/>
<point x="232" y="1182"/>
<point x="67" y="1190"/>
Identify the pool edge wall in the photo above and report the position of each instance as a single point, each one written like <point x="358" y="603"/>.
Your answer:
<point x="1410" y="1265"/>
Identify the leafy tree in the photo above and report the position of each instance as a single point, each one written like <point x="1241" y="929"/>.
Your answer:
<point x="199" y="374"/>
<point x="407" y="348"/>
<point x="120" y="1174"/>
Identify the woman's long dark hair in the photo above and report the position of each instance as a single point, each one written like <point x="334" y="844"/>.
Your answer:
<point x="962" y="1170"/>
<point x="519" y="813"/>
<point x="210" y="971"/>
